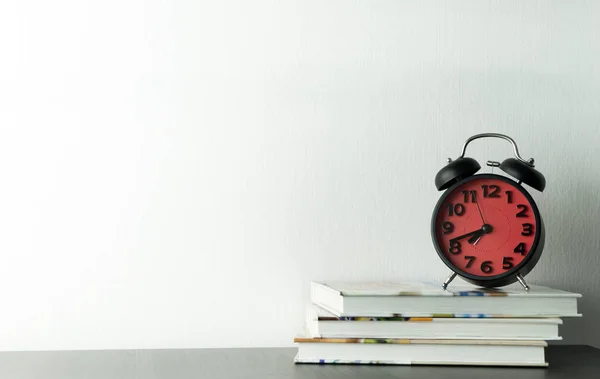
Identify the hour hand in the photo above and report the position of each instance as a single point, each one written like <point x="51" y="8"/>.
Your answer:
<point x="475" y="237"/>
<point x="475" y="233"/>
<point x="485" y="229"/>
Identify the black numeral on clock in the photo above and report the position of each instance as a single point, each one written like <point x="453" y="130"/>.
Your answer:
<point x="491" y="190"/>
<point x="470" y="262"/>
<point x="523" y="210"/>
<point x="507" y="263"/>
<point x="456" y="209"/>
<point x="455" y="247"/>
<point x="448" y="227"/>
<point x="527" y="229"/>
<point x="509" y="197"/>
<point x="520" y="248"/>
<point x="486" y="267"/>
<point x="469" y="195"/>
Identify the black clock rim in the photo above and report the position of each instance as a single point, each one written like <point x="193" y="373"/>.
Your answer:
<point x="515" y="270"/>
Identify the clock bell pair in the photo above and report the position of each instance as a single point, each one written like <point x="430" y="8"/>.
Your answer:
<point x="485" y="227"/>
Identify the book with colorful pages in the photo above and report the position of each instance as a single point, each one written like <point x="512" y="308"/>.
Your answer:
<point x="323" y="324"/>
<point x="414" y="299"/>
<point x="419" y="351"/>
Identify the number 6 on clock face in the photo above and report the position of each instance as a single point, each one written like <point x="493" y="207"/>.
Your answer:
<point x="487" y="228"/>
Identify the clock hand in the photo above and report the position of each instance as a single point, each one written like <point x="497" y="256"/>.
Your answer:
<point x="479" y="209"/>
<point x="485" y="229"/>
<point x="473" y="233"/>
<point x="475" y="238"/>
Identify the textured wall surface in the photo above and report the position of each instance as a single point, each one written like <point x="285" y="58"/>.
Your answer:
<point x="174" y="173"/>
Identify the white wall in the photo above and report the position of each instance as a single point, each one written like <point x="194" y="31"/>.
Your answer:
<point x="174" y="173"/>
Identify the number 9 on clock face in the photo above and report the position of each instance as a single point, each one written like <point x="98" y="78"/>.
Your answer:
<point x="487" y="227"/>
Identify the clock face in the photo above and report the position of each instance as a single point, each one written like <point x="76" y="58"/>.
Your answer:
<point x="486" y="227"/>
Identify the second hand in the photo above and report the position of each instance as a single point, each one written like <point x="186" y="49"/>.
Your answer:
<point x="480" y="214"/>
<point x="479" y="209"/>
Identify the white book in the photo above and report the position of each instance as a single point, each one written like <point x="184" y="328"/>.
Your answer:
<point x="420" y="352"/>
<point x="385" y="299"/>
<point x="323" y="324"/>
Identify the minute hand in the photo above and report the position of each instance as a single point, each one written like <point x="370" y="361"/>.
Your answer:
<point x="475" y="232"/>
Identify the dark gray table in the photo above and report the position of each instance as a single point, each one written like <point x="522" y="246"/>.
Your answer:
<point x="568" y="362"/>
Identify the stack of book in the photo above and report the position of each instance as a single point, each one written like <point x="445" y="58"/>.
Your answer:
<point x="420" y="323"/>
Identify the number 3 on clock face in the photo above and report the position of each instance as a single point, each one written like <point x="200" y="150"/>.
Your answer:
<point x="486" y="227"/>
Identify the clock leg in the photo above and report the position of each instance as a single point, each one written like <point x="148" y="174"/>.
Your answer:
<point x="450" y="278"/>
<point x="522" y="281"/>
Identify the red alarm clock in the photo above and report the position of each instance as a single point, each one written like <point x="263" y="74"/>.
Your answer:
<point x="487" y="228"/>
